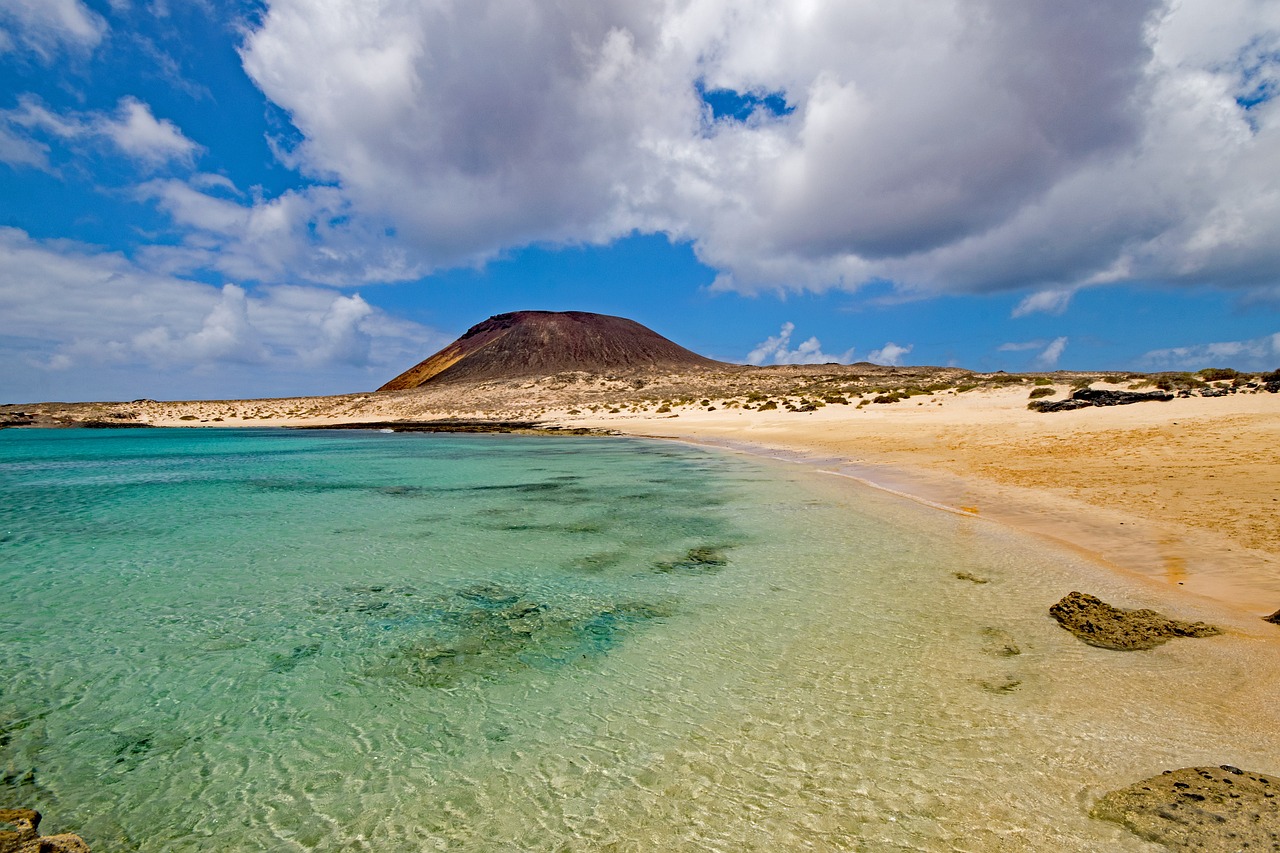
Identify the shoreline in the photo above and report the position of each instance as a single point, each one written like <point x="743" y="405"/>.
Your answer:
<point x="1159" y="553"/>
<point x="1179" y="494"/>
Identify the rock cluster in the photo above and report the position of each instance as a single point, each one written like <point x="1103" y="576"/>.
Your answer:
<point x="24" y="837"/>
<point x="1200" y="808"/>
<point x="1100" y="624"/>
<point x="1085" y="397"/>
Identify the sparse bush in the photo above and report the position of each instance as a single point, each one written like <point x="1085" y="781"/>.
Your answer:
<point x="767" y="405"/>
<point x="1043" y="380"/>
<point x="1037" y="393"/>
<point x="835" y="398"/>
<point x="890" y="398"/>
<point x="1216" y="374"/>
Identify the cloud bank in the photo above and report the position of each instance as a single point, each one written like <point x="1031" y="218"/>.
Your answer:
<point x="944" y="147"/>
<point x="68" y="309"/>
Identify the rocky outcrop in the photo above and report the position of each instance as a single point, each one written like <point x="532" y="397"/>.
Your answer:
<point x="1085" y="397"/>
<point x="1274" y="618"/>
<point x="1100" y="624"/>
<point x="24" y="836"/>
<point x="1200" y="808"/>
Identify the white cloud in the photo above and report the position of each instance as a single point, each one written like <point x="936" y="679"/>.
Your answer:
<point x="1010" y="147"/>
<point x="1049" y="357"/>
<point x="132" y="129"/>
<point x="19" y="151"/>
<point x="306" y="234"/>
<point x="74" y="308"/>
<point x="46" y="27"/>
<point x="776" y="350"/>
<point x="1020" y="346"/>
<point x="1254" y="354"/>
<point x="142" y="136"/>
<point x="1053" y="301"/>
<point x="890" y="354"/>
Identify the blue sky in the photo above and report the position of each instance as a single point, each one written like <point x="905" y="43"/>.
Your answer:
<point x="205" y="198"/>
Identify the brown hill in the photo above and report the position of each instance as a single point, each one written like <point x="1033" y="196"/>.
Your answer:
<point x="540" y="343"/>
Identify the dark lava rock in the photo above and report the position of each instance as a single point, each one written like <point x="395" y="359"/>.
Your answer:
<point x="1100" y="624"/>
<point x="1085" y="397"/>
<point x="1274" y="618"/>
<point x="23" y="837"/>
<point x="1200" y="808"/>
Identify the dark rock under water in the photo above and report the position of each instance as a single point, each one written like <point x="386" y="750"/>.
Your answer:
<point x="482" y="632"/>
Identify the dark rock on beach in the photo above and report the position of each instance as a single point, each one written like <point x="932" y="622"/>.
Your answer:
<point x="1085" y="397"/>
<point x="1274" y="618"/>
<point x="1200" y="808"/>
<point x="1100" y="624"/>
<point x="19" y="834"/>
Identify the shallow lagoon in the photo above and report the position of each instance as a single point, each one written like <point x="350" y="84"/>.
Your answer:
<point x="266" y="640"/>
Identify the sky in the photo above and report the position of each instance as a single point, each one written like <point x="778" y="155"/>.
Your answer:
<point x="247" y="198"/>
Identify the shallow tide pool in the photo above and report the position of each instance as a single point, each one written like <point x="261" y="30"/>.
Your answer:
<point x="287" y="641"/>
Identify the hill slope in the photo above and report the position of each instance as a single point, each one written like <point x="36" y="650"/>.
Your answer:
<point x="540" y="343"/>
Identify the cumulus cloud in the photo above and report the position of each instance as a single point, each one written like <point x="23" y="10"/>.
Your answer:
<point x="67" y="307"/>
<point x="1254" y="354"/>
<point x="44" y="28"/>
<point x="132" y="129"/>
<point x="1028" y="145"/>
<point x="776" y="350"/>
<point x="890" y="354"/>
<point x="309" y="234"/>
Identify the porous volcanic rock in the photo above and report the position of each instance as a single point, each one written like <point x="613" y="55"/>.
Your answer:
<point x="25" y="837"/>
<point x="1200" y="808"/>
<point x="1100" y="624"/>
<point x="1085" y="397"/>
<point x="542" y="343"/>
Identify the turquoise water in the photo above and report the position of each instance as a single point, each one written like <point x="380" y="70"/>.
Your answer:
<point x="269" y="640"/>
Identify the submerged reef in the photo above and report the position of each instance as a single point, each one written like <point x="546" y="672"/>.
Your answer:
<point x="481" y="632"/>
<point x="1100" y="624"/>
<point x="487" y="632"/>
<point x="1199" y="808"/>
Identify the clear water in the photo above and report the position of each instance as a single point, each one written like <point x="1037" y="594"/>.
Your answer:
<point x="281" y="641"/>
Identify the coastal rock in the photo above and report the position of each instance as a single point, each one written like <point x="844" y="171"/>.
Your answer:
<point x="1085" y="397"/>
<point x="1100" y="624"/>
<point x="24" y="836"/>
<point x="1199" y="808"/>
<point x="1274" y="618"/>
